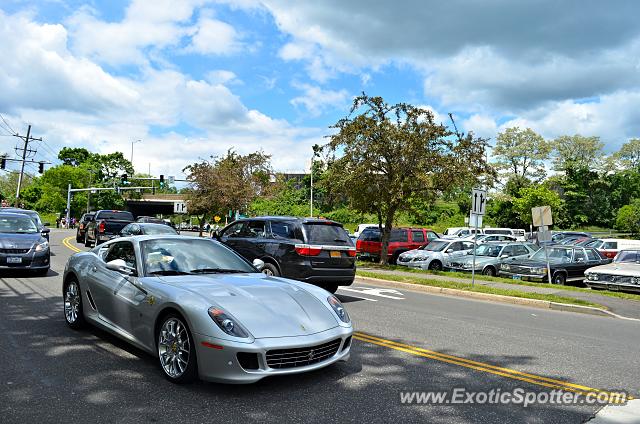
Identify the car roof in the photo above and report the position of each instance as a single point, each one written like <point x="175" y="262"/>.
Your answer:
<point x="289" y="218"/>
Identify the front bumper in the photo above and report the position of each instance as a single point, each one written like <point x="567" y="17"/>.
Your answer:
<point x="611" y="286"/>
<point x="416" y="264"/>
<point x="30" y="260"/>
<point x="536" y="278"/>
<point x="223" y="365"/>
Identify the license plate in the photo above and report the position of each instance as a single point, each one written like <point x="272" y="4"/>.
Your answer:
<point x="14" y="260"/>
<point x="517" y="277"/>
<point x="335" y="254"/>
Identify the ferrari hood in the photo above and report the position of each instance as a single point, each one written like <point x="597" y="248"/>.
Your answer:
<point x="266" y="306"/>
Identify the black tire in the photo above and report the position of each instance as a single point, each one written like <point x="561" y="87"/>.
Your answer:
<point x="559" y="278"/>
<point x="395" y="256"/>
<point x="270" y="269"/>
<point x="78" y="238"/>
<point x="490" y="271"/>
<point x="435" y="266"/>
<point x="87" y="243"/>
<point x="190" y="373"/>
<point x="73" y="304"/>
<point x="331" y="288"/>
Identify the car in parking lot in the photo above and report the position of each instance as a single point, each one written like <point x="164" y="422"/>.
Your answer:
<point x="85" y="219"/>
<point x="623" y="274"/>
<point x="369" y="243"/>
<point x="567" y="264"/>
<point x="610" y="247"/>
<point x="316" y="251"/>
<point x="22" y="245"/>
<point x="489" y="256"/>
<point x="433" y="255"/>
<point x="203" y="311"/>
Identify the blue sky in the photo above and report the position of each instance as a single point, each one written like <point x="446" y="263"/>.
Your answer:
<point x="193" y="78"/>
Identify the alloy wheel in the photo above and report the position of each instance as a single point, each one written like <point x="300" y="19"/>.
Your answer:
<point x="72" y="302"/>
<point x="174" y="348"/>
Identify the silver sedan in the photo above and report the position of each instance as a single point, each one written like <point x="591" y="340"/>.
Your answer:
<point x="204" y="311"/>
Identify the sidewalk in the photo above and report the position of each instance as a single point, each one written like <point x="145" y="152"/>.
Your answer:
<point x="623" y="307"/>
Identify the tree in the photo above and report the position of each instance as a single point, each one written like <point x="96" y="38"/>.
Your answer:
<point x="531" y="197"/>
<point x="230" y="182"/>
<point x="74" y="156"/>
<point x="577" y="152"/>
<point x="521" y="154"/>
<point x="629" y="154"/>
<point x="628" y="218"/>
<point x="390" y="154"/>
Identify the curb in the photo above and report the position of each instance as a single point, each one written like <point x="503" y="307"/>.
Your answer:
<point x="536" y="303"/>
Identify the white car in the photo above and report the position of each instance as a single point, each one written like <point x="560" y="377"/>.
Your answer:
<point x="433" y="255"/>
<point x="622" y="274"/>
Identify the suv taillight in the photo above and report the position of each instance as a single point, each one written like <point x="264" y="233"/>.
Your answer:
<point x="101" y="227"/>
<point x="358" y="244"/>
<point x="308" y="250"/>
<point x="352" y="252"/>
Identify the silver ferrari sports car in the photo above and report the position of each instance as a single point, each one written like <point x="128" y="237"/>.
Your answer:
<point x="204" y="311"/>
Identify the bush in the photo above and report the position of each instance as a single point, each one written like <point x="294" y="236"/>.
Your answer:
<point x="628" y="218"/>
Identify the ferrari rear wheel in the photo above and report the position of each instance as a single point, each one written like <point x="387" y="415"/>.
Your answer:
<point x="176" y="350"/>
<point x="73" y="305"/>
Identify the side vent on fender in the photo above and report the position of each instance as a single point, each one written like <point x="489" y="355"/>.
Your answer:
<point x="91" y="302"/>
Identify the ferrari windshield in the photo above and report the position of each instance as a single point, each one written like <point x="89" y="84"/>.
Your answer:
<point x="17" y="224"/>
<point x="173" y="256"/>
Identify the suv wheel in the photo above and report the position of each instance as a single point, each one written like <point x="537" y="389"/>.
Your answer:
<point x="78" y="238"/>
<point x="435" y="266"/>
<point x="490" y="271"/>
<point x="271" y="270"/>
<point x="87" y="243"/>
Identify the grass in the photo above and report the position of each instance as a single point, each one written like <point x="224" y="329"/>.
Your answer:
<point x="480" y="289"/>
<point x="426" y="273"/>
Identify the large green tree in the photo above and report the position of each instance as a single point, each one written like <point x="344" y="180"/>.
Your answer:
<point x="520" y="154"/>
<point x="577" y="152"/>
<point x="387" y="154"/>
<point x="629" y="154"/>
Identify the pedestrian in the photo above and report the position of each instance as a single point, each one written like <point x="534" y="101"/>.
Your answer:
<point x="63" y="222"/>
<point x="58" y="222"/>
<point x="73" y="222"/>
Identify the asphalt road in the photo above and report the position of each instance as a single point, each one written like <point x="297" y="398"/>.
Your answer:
<point x="420" y="342"/>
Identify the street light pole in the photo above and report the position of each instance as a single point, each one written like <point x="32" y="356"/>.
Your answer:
<point x="132" y="143"/>
<point x="311" y="171"/>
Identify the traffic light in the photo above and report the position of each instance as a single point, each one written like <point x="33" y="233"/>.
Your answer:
<point x="41" y="167"/>
<point x="3" y="162"/>
<point x="161" y="181"/>
<point x="123" y="178"/>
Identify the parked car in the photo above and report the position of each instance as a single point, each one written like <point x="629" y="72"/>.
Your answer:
<point x="202" y="311"/>
<point x="316" y="251"/>
<point x="488" y="238"/>
<point x="362" y="227"/>
<point x="35" y="217"/>
<point x="558" y="237"/>
<point x="461" y="232"/>
<point x="369" y="244"/>
<point x="85" y="219"/>
<point x="567" y="264"/>
<point x="489" y="256"/>
<point x="610" y="247"/>
<point x="622" y="274"/>
<point x="106" y="225"/>
<point x="22" y="245"/>
<point x="433" y="255"/>
<point x="143" y="228"/>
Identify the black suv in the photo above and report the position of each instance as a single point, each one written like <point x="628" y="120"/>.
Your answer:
<point x="315" y="251"/>
<point x="85" y="219"/>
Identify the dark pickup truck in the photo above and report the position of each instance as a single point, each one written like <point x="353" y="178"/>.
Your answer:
<point x="105" y="226"/>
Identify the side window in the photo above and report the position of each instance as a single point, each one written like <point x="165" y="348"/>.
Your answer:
<point x="579" y="256"/>
<point x="464" y="233"/>
<point x="592" y="255"/>
<point x="509" y="251"/>
<point x="255" y="229"/>
<point x="466" y="245"/>
<point x="234" y="230"/>
<point x="431" y="235"/>
<point x="282" y="229"/>
<point x="455" y="246"/>
<point x="123" y="250"/>
<point x="126" y="230"/>
<point x="398" y="236"/>
<point x="521" y="250"/>
<point x="417" y="236"/>
<point x="610" y="245"/>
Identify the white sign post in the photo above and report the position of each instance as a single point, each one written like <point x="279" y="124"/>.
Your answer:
<point x="478" y="208"/>
<point x="179" y="207"/>
<point x="542" y="218"/>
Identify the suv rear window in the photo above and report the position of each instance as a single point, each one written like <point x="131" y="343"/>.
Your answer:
<point x="326" y="234"/>
<point x="370" y="234"/>
<point x="117" y="215"/>
<point x="398" y="235"/>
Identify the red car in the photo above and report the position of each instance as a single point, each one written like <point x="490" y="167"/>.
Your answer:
<point x="369" y="243"/>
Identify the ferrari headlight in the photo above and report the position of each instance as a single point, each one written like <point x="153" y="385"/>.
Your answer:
<point x="227" y="323"/>
<point x="338" y="308"/>
<point x="42" y="246"/>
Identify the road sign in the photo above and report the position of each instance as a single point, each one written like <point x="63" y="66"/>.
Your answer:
<point x="474" y="220"/>
<point x="179" y="207"/>
<point x="478" y="201"/>
<point x="541" y="216"/>
<point x="217" y="218"/>
<point x="171" y="179"/>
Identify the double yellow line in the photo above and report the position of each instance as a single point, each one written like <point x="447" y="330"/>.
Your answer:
<point x="488" y="368"/>
<point x="67" y="243"/>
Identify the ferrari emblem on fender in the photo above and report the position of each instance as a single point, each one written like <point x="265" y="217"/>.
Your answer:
<point x="151" y="300"/>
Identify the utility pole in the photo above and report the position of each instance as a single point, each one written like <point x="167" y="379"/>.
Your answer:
<point x="25" y="150"/>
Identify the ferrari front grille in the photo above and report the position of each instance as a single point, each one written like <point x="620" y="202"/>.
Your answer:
<point x="302" y="356"/>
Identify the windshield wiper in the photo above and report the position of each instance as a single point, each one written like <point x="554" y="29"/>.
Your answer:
<point x="169" y="272"/>
<point x="216" y="271"/>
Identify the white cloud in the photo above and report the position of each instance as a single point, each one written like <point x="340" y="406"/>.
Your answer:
<point x="316" y="100"/>
<point x="214" y="37"/>
<point x="481" y="125"/>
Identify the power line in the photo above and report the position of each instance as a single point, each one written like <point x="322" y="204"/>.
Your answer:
<point x="11" y="130"/>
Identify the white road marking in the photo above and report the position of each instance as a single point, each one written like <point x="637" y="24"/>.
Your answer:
<point x="357" y="297"/>
<point x="375" y="292"/>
